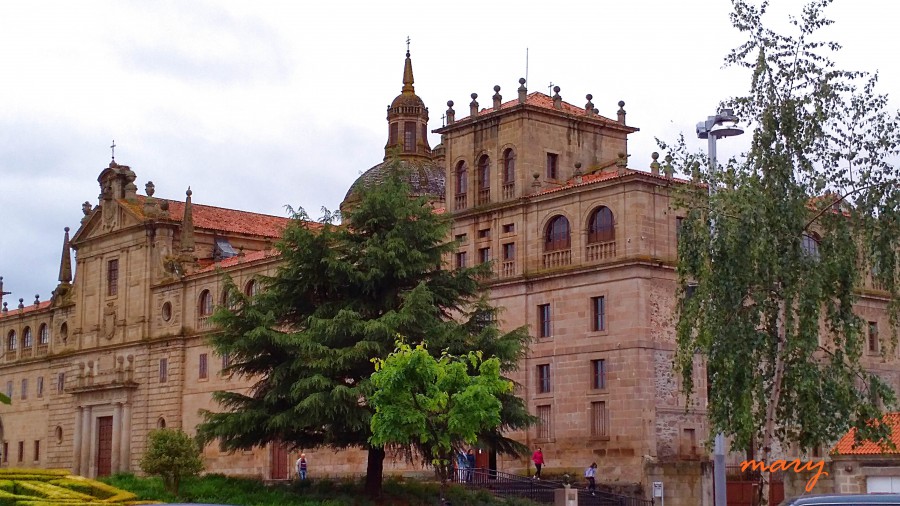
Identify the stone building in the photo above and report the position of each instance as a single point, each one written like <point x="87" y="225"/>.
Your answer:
<point x="583" y="248"/>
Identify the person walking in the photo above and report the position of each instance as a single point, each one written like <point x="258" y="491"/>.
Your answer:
<point x="301" y="466"/>
<point x="470" y="465"/>
<point x="538" y="458"/>
<point x="462" y="462"/>
<point x="591" y="473"/>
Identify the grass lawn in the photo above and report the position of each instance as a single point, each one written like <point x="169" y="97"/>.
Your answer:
<point x="218" y="489"/>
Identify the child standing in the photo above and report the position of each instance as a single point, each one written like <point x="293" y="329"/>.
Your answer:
<point x="591" y="473"/>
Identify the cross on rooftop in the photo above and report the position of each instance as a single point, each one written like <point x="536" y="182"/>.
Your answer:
<point x="113" y="148"/>
<point x="443" y="117"/>
<point x="550" y="88"/>
<point x="407" y="43"/>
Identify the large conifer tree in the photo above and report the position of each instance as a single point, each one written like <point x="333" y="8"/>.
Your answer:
<point x="339" y="299"/>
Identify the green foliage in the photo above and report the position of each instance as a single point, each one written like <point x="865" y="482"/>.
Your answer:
<point x="437" y="403"/>
<point x="172" y="455"/>
<point x="219" y="489"/>
<point x="775" y="315"/>
<point x="340" y="295"/>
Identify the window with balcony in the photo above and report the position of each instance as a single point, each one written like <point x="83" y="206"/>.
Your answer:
<point x="44" y="334"/>
<point x="600" y="226"/>
<point x="462" y="184"/>
<point x="27" y="339"/>
<point x="484" y="180"/>
<point x="509" y="251"/>
<point x="557" y="236"/>
<point x="206" y="303"/>
<point x="11" y="341"/>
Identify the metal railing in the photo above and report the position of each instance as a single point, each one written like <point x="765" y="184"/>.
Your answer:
<point x="542" y="491"/>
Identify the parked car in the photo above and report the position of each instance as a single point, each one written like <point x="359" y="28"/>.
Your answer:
<point x="843" y="500"/>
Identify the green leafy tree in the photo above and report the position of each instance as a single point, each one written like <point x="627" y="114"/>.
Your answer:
<point x="438" y="404"/>
<point x="340" y="296"/>
<point x="801" y="225"/>
<point x="172" y="455"/>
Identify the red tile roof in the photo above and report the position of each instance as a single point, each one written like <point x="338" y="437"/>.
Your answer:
<point x="604" y="176"/>
<point x="538" y="99"/>
<point x="253" y="256"/>
<point x="218" y="218"/>
<point x="15" y="311"/>
<point x="845" y="445"/>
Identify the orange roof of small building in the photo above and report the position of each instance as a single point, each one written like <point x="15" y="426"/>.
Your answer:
<point x="30" y="308"/>
<point x="846" y="445"/>
<point x="218" y="218"/>
<point x="246" y="258"/>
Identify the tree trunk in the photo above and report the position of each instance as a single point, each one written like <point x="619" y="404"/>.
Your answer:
<point x="769" y="431"/>
<point x="375" y="472"/>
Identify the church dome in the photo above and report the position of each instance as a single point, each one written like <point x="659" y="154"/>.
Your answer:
<point x="425" y="178"/>
<point x="407" y="99"/>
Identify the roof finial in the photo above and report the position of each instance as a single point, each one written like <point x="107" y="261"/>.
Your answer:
<point x="187" y="224"/>
<point x="408" y="72"/>
<point x="113" y="148"/>
<point x="65" y="264"/>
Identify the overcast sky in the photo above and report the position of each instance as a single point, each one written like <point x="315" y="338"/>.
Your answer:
<point x="257" y="105"/>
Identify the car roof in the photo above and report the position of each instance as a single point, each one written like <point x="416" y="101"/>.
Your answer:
<point x="848" y="500"/>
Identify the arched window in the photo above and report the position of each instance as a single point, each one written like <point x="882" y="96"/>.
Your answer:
<point x="462" y="178"/>
<point x="810" y="245"/>
<point x="484" y="173"/>
<point x="161" y="423"/>
<point x="27" y="339"/>
<point x="64" y="332"/>
<point x="601" y="227"/>
<point x="557" y="236"/>
<point x="11" y="341"/>
<point x="44" y="334"/>
<point x="509" y="166"/>
<point x="206" y="303"/>
<point x="252" y="288"/>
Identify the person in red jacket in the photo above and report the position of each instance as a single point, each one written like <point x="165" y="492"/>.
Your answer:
<point x="538" y="459"/>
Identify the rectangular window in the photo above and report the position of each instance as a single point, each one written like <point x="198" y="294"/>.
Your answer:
<point x="395" y="128"/>
<point x="9" y="389"/>
<point x="204" y="367"/>
<point x="509" y="228"/>
<point x="544" y="426"/>
<point x="689" y="440"/>
<point x="461" y="260"/>
<point x="409" y="137"/>
<point x="37" y="450"/>
<point x="21" y="451"/>
<point x="552" y="166"/>
<point x="112" y="277"/>
<point x="484" y="233"/>
<point x="598" y="370"/>
<point x="6" y="451"/>
<point x="689" y="290"/>
<point x="679" y="224"/>
<point x="163" y="370"/>
<point x="599" y="421"/>
<point x="226" y="360"/>
<point x="544" y="320"/>
<point x="484" y="255"/>
<point x="543" y="378"/>
<point x="509" y="251"/>
<point x="598" y="313"/>
<point x="24" y="389"/>
<point x="40" y="387"/>
<point x="873" y="337"/>
<point x="461" y="238"/>
<point x="60" y="382"/>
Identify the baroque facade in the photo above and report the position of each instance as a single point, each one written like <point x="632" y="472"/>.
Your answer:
<point x="583" y="248"/>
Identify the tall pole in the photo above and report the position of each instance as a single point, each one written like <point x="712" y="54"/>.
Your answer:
<point x="712" y="129"/>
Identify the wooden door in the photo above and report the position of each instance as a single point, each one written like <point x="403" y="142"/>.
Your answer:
<point x="278" y="469"/>
<point x="104" y="445"/>
<point x="482" y="459"/>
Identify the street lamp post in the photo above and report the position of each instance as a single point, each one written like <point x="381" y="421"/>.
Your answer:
<point x="724" y="124"/>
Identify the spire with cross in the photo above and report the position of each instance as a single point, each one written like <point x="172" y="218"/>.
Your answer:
<point x="113" y="148"/>
<point x="407" y="45"/>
